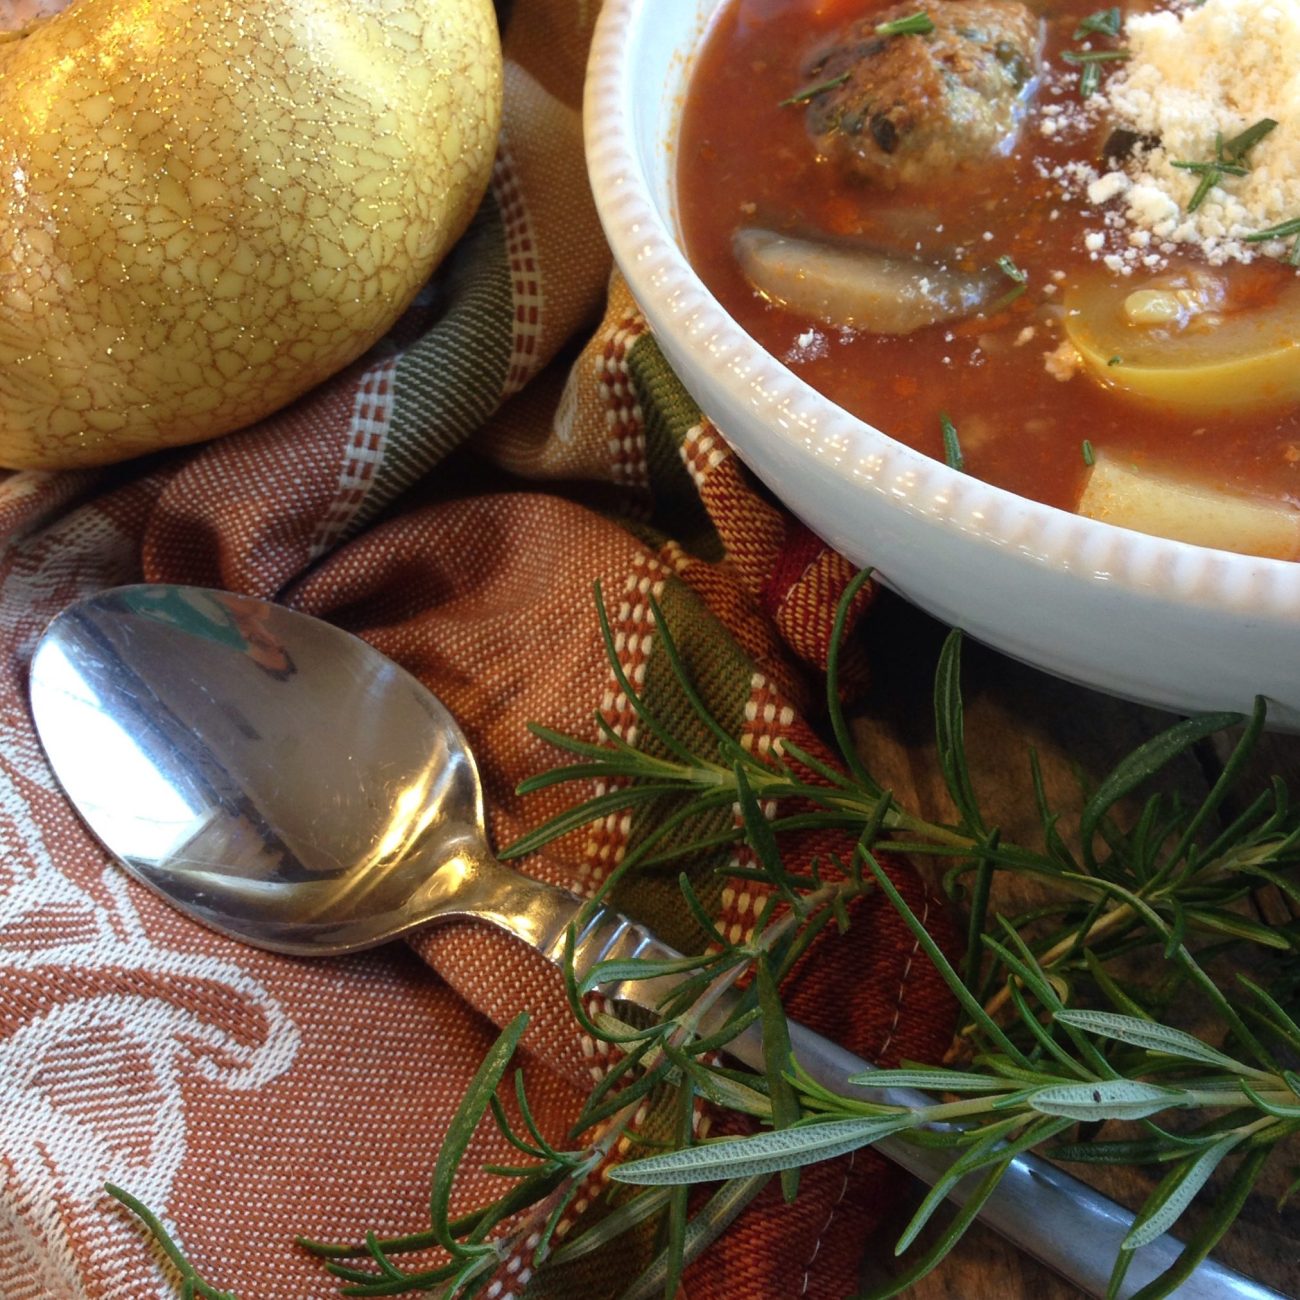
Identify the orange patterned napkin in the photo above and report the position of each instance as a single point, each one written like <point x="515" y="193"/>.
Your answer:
<point x="452" y="498"/>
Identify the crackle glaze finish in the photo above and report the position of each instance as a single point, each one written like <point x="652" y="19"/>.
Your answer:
<point x="208" y="207"/>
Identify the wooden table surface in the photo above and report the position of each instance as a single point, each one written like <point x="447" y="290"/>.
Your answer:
<point x="1009" y="709"/>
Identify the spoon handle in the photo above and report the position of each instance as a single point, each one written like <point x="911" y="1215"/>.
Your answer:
<point x="1058" y="1220"/>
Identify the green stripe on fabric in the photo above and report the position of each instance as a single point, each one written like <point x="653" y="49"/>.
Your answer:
<point x="669" y="413"/>
<point x="721" y="675"/>
<point x="450" y="381"/>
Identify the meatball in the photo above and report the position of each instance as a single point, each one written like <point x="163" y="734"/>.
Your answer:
<point x="899" y="109"/>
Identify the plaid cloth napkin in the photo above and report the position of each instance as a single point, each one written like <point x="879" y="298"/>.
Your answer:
<point x="452" y="498"/>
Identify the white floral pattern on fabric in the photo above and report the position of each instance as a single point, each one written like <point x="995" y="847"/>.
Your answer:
<point x="91" y="1079"/>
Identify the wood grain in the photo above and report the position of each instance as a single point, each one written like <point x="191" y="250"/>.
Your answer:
<point x="1078" y="736"/>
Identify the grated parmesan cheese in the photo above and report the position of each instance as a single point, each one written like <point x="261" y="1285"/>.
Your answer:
<point x="1107" y="187"/>
<point x="1218" y="68"/>
<point x="1063" y="361"/>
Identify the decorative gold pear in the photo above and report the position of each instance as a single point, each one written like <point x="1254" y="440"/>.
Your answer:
<point x="209" y="206"/>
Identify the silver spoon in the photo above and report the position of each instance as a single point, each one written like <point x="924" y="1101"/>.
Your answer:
<point x="283" y="782"/>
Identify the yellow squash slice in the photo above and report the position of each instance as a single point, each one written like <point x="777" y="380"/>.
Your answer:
<point x="1180" y="349"/>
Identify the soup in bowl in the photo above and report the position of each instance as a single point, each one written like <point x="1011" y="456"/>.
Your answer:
<point x="918" y="267"/>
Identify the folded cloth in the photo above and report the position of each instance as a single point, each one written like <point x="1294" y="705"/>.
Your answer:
<point x="453" y="498"/>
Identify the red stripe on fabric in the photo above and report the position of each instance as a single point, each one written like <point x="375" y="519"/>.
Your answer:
<point x="801" y="549"/>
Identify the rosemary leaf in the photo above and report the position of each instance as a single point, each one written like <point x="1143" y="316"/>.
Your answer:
<point x="990" y="1137"/>
<point x="977" y="1013"/>
<point x="1240" y="927"/>
<point x="471" y="1110"/>
<point x="1083" y="57"/>
<point x="1202" y="191"/>
<point x="628" y="969"/>
<point x="762" y="839"/>
<point x="189" y="1278"/>
<point x="776" y="1057"/>
<point x="1283" y="230"/>
<point x="928" y="1080"/>
<point x="1135" y="1152"/>
<point x="1277" y="1015"/>
<point x="1105" y="1099"/>
<point x="1280" y="1110"/>
<point x="1228" y="776"/>
<point x="1166" y="1205"/>
<point x="1140" y="766"/>
<point x="952" y="452"/>
<point x="1240" y="145"/>
<point x="1105" y="22"/>
<point x="1153" y="1037"/>
<point x="720" y="1088"/>
<point x="811" y="92"/>
<point x="702" y="1231"/>
<point x="835" y="706"/>
<point x="1222" y="1215"/>
<point x="678" y="1202"/>
<point x="638" y="1208"/>
<point x="949" y="726"/>
<point x="917" y="24"/>
<point x="951" y="1236"/>
<point x="764" y="1153"/>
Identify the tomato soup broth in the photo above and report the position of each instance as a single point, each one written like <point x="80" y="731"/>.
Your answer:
<point x="746" y="158"/>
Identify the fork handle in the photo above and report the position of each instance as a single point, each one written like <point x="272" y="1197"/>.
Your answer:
<point x="1058" y="1220"/>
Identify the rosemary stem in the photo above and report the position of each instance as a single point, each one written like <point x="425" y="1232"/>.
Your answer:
<point x="948" y="1111"/>
<point x="1212" y="1099"/>
<point x="766" y="784"/>
<point x="904" y="821"/>
<point x="709" y="776"/>
<point x="1068" y="943"/>
<point x="1257" y="855"/>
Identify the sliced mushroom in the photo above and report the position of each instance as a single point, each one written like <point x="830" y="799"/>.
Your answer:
<point x="854" y="286"/>
<point x="1149" y="502"/>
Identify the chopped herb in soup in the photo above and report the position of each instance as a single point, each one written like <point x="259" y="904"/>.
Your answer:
<point x="1054" y="245"/>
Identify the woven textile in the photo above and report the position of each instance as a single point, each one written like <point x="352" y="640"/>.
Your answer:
<point x="453" y="498"/>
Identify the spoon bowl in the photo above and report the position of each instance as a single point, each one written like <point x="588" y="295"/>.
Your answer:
<point x="268" y="773"/>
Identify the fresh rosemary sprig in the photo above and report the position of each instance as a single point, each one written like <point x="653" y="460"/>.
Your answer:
<point x="1041" y="1063"/>
<point x="952" y="453"/>
<point x="192" y="1286"/>
<point x="1104" y="22"/>
<point x="1283" y="230"/>
<point x="1229" y="160"/>
<point x="1089" y="64"/>
<point x="811" y="92"/>
<point x="917" y="24"/>
<point x="1019" y="284"/>
<point x="1017" y="1100"/>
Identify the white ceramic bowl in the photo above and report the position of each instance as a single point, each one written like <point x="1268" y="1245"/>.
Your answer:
<point x="1163" y="622"/>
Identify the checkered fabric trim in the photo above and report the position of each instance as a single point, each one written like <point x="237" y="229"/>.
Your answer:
<point x="624" y="420"/>
<point x="525" y="275"/>
<point x="634" y="629"/>
<point x="372" y="410"/>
